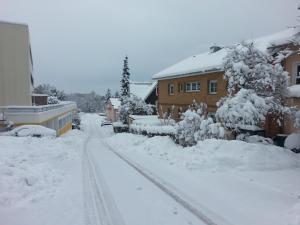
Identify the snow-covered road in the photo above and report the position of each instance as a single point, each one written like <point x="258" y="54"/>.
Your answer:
<point x="95" y="177"/>
<point x="119" y="191"/>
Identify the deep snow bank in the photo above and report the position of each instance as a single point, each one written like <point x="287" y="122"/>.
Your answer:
<point x="32" y="169"/>
<point x="211" y="153"/>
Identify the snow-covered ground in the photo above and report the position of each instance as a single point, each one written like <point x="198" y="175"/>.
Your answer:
<point x="240" y="183"/>
<point x="41" y="180"/>
<point x="96" y="177"/>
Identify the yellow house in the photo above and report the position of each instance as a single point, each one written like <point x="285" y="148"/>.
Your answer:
<point x="200" y="77"/>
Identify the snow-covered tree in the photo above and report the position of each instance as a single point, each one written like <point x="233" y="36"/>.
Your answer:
<point x="51" y="91"/>
<point x="247" y="67"/>
<point x="52" y="100"/>
<point x="117" y="95"/>
<point x="243" y="109"/>
<point x="133" y="106"/>
<point x="125" y="89"/>
<point x="107" y="95"/>
<point x="256" y="86"/>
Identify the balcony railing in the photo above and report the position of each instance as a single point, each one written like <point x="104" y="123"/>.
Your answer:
<point x="35" y="109"/>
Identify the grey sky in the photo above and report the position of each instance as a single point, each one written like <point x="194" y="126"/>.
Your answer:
<point x="79" y="45"/>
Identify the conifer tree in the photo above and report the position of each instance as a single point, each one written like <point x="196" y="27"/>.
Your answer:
<point x="125" y="91"/>
<point x="107" y="95"/>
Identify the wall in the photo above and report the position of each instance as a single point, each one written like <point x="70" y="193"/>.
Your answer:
<point x="184" y="99"/>
<point x="111" y="113"/>
<point x="15" y="65"/>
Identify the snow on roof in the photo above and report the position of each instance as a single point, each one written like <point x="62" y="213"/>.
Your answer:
<point x="213" y="61"/>
<point x="142" y="89"/>
<point x="202" y="63"/>
<point x="42" y="95"/>
<point x="115" y="102"/>
<point x="294" y="91"/>
<point x="287" y="36"/>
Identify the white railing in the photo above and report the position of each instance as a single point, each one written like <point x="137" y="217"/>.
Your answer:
<point x="35" y="109"/>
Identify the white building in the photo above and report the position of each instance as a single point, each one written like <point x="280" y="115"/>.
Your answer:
<point x="16" y="84"/>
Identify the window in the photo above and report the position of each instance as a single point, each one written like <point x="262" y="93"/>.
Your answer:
<point x="213" y="87"/>
<point x="298" y="75"/>
<point x="180" y="87"/>
<point x="171" y="89"/>
<point x="192" y="86"/>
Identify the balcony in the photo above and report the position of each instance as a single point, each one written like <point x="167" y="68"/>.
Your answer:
<point x="36" y="114"/>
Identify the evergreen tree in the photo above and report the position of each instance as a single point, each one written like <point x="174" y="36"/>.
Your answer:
<point x="117" y="95"/>
<point x="125" y="91"/>
<point x="107" y="95"/>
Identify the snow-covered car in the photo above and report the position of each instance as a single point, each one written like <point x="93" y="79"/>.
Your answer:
<point x="33" y="131"/>
<point x="105" y="123"/>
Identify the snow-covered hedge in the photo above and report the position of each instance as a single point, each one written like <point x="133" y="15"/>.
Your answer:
<point x="150" y="126"/>
<point x="152" y="130"/>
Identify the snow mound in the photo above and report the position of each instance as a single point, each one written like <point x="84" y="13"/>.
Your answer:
<point x="292" y="141"/>
<point x="31" y="169"/>
<point x="211" y="154"/>
<point x="32" y="130"/>
<point x="293" y="91"/>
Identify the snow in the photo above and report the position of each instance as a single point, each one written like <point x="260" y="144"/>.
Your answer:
<point x="32" y="130"/>
<point x="116" y="103"/>
<point x="242" y="183"/>
<point x="292" y="141"/>
<point x="286" y="36"/>
<point x="294" y="91"/>
<point x="201" y="63"/>
<point x="40" y="180"/>
<point x="142" y="89"/>
<point x="79" y="179"/>
<point x="150" y="124"/>
<point x="211" y="62"/>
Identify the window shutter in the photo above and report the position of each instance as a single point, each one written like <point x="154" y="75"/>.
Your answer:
<point x="184" y="87"/>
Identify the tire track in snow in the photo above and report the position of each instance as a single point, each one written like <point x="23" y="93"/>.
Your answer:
<point x="100" y="206"/>
<point x="169" y="190"/>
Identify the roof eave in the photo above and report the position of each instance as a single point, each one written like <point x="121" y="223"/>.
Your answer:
<point x="189" y="74"/>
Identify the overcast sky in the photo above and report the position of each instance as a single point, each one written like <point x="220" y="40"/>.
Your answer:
<point x="79" y="45"/>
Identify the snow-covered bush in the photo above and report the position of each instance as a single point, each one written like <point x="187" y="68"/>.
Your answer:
<point x="167" y="117"/>
<point x="53" y="100"/>
<point x="200" y="108"/>
<point x="195" y="126"/>
<point x="133" y="106"/>
<point x="209" y="129"/>
<point x="245" y="108"/>
<point x="187" y="128"/>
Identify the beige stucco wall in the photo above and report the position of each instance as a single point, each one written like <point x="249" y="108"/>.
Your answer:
<point x="15" y="65"/>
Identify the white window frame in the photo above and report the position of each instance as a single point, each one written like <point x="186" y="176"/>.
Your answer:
<point x="196" y="84"/>
<point x="171" y="89"/>
<point x="210" y="87"/>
